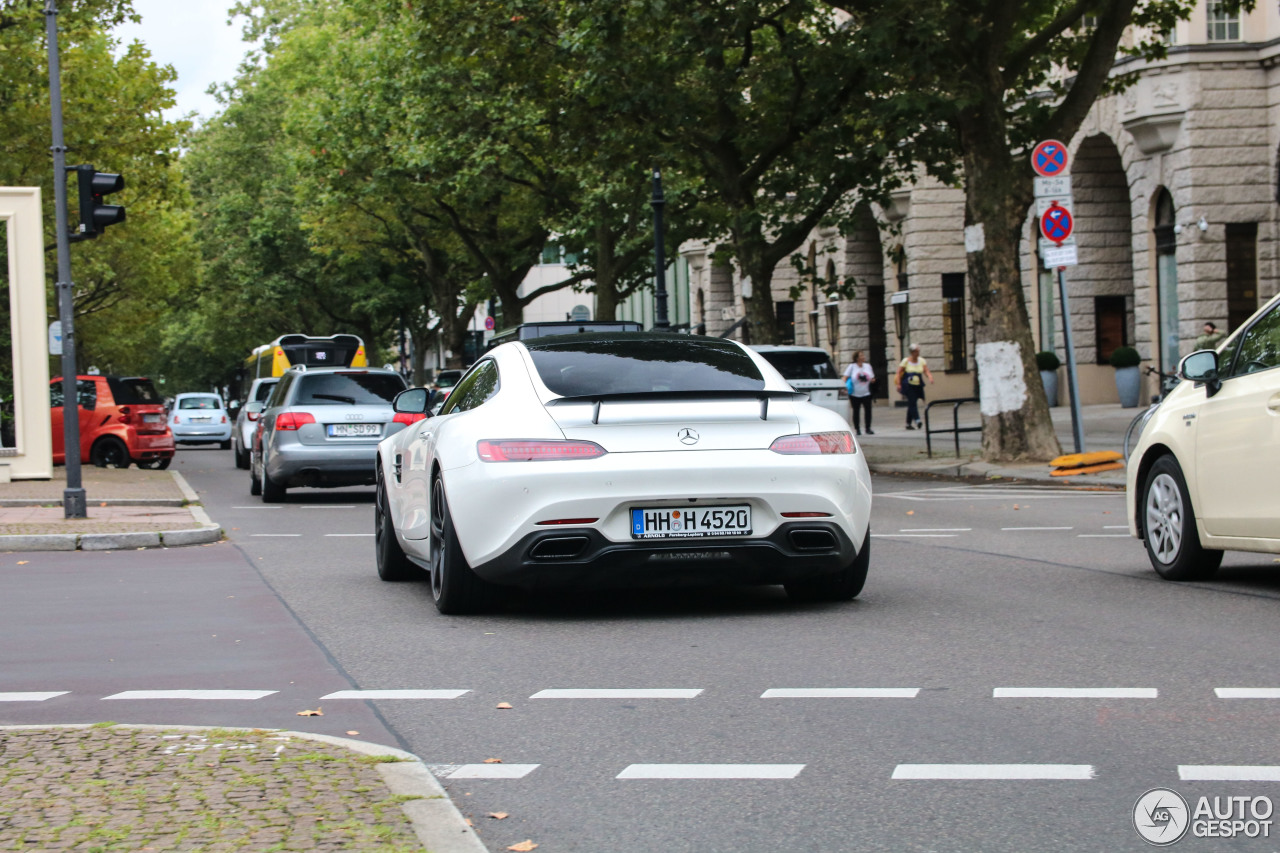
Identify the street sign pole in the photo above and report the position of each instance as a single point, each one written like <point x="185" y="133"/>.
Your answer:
<point x="660" y="320"/>
<point x="1077" y="420"/>
<point x="73" y="498"/>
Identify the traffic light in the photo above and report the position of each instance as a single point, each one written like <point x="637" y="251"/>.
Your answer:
<point x="94" y="215"/>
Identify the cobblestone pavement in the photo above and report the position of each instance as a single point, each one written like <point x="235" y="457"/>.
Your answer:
<point x="107" y="788"/>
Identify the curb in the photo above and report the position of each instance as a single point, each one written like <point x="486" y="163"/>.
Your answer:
<point x="435" y="819"/>
<point x="110" y="541"/>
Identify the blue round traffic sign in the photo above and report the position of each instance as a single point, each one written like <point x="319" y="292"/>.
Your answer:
<point x="1049" y="159"/>
<point x="1056" y="224"/>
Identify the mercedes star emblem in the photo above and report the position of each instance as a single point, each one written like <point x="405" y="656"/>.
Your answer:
<point x="688" y="436"/>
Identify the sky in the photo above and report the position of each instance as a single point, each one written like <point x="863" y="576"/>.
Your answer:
<point x="193" y="37"/>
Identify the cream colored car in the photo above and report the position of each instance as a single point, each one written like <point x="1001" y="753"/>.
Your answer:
<point x="1204" y="476"/>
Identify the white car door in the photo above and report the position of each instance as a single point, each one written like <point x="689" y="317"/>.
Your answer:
<point x="1238" y="439"/>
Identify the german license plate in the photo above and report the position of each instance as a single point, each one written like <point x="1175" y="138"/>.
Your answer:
<point x="349" y="430"/>
<point x="201" y="419"/>
<point x="684" y="522"/>
<point x="152" y="419"/>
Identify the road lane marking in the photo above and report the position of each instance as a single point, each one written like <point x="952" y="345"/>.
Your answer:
<point x="257" y="506"/>
<point x="493" y="771"/>
<point x="277" y="535"/>
<point x="191" y="694"/>
<point x="1115" y="527"/>
<point x="1102" y="536"/>
<point x="1228" y="773"/>
<point x="1037" y="528"/>
<point x="935" y="529"/>
<point x="994" y="771"/>
<point x="841" y="693"/>
<point x="348" y="535"/>
<point x="326" y="506"/>
<point x="640" y="693"/>
<point x="1075" y="693"/>
<point x="1247" y="692"/>
<point x="396" y="694"/>
<point x="913" y="536"/>
<point x="711" y="771"/>
<point x="32" y="696"/>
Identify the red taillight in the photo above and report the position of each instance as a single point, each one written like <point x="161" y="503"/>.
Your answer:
<point x="806" y="515"/>
<point x="570" y="521"/>
<point x="224" y="419"/>
<point x="252" y="416"/>
<point x="814" y="444"/>
<point x="408" y="417"/>
<point x="535" y="451"/>
<point x="293" y="420"/>
<point x="175" y="419"/>
<point x="125" y="415"/>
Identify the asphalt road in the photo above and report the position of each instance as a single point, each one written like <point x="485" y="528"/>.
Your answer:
<point x="983" y="603"/>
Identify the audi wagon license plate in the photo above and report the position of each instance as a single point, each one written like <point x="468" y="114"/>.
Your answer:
<point x="683" y="522"/>
<point x="349" y="430"/>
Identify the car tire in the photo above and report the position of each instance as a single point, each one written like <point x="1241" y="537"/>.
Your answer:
<point x="1169" y="526"/>
<point x="109" y="452"/>
<point x="844" y="585"/>
<point x="272" y="492"/>
<point x="224" y="445"/>
<point x="242" y="459"/>
<point x="255" y="484"/>
<point x="455" y="588"/>
<point x="157" y="464"/>
<point x="393" y="565"/>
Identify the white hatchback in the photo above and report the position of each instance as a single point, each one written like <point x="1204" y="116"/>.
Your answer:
<point x="1202" y="477"/>
<point x="809" y="369"/>
<point x="200" y="419"/>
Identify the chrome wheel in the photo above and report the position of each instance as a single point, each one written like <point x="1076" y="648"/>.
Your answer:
<point x="1165" y="518"/>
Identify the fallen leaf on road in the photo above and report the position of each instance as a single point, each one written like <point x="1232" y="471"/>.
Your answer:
<point x="911" y="512"/>
<point x="499" y="815"/>
<point x="504" y="706"/>
<point x="523" y="847"/>
<point x="353" y="733"/>
<point x="493" y="761"/>
<point x="316" y="713"/>
<point x="23" y="562"/>
<point x="468" y="820"/>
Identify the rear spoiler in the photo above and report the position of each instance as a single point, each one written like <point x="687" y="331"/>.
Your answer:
<point x="636" y="396"/>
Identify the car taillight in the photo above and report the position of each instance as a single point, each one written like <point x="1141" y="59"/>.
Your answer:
<point x="125" y="415"/>
<point x="224" y="419"/>
<point x="408" y="417"/>
<point x="175" y="419"/>
<point x="814" y="444"/>
<point x="842" y="393"/>
<point x="293" y="420"/>
<point x="535" y="451"/>
<point x="252" y="416"/>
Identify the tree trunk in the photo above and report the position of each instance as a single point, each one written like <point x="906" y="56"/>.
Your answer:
<point x="1016" y="426"/>
<point x="606" y="274"/>
<point x="762" y="322"/>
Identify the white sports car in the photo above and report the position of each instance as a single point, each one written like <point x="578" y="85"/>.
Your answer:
<point x="622" y="460"/>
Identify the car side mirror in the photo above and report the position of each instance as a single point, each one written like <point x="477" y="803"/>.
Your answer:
<point x="1201" y="366"/>
<point x="414" y="401"/>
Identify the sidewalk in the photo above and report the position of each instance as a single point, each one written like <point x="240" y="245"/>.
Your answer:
<point x="116" y="787"/>
<point x="896" y="450"/>
<point x="127" y="508"/>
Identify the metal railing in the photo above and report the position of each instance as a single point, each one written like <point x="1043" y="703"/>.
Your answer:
<point x="955" y="428"/>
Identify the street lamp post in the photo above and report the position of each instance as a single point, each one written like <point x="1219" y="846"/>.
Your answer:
<point x="659" y="263"/>
<point x="73" y="498"/>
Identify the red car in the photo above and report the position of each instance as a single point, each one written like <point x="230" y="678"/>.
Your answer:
<point x="122" y="421"/>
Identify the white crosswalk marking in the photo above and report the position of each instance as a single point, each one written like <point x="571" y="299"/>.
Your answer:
<point x="493" y="771"/>
<point x="395" y="694"/>
<point x="1228" y="773"/>
<point x="841" y="693"/>
<point x="1037" y="528"/>
<point x="31" y="696"/>
<point x="994" y="771"/>
<point x="191" y="694"/>
<point x="610" y="693"/>
<point x="711" y="771"/>
<point x="1247" y="692"/>
<point x="1075" y="693"/>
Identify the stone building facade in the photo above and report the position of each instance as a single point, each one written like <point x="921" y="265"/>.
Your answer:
<point x="1175" y="186"/>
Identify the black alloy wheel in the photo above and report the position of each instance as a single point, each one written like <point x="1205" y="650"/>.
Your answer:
<point x="455" y="588"/>
<point x="109" y="452"/>
<point x="393" y="565"/>
<point x="157" y="464"/>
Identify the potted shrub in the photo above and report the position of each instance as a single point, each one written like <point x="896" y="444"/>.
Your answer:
<point x="1048" y="364"/>
<point x="1128" y="380"/>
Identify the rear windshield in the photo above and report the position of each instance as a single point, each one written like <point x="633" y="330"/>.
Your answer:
<point x="802" y="365"/>
<point x="346" y="389"/>
<point x="585" y="365"/>
<point x="199" y="403"/>
<point x="264" y="390"/>
<point x="133" y="390"/>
